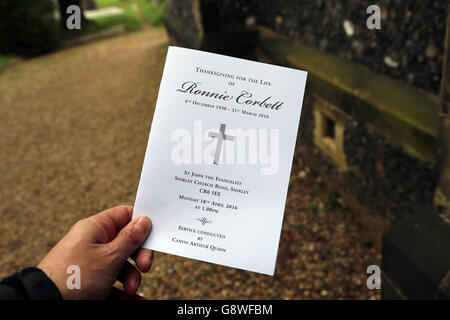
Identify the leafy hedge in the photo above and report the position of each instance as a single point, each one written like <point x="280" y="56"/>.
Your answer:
<point x="28" y="27"/>
<point x="154" y="14"/>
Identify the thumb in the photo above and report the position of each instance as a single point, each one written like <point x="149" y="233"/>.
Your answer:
<point x="130" y="238"/>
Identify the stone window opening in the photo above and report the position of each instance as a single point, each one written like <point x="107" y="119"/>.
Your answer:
<point x="329" y="131"/>
<point x="328" y="128"/>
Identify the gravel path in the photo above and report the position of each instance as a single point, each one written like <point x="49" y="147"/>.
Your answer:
<point x="73" y="133"/>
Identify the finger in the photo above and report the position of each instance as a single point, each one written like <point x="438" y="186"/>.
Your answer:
<point x="113" y="220"/>
<point x="143" y="259"/>
<point x="130" y="277"/>
<point x="117" y="294"/>
<point x="128" y="240"/>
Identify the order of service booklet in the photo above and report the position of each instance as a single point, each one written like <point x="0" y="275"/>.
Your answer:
<point x="219" y="155"/>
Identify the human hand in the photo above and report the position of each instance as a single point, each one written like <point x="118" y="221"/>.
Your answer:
<point x="100" y="246"/>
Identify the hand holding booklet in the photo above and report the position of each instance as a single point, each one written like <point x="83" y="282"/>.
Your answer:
<point x="216" y="170"/>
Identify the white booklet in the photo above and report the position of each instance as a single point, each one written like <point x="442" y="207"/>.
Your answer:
<point x="218" y="160"/>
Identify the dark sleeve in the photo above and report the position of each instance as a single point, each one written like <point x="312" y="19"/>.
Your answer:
<point x="29" y="284"/>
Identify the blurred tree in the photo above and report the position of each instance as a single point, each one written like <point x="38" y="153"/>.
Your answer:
<point x="28" y="27"/>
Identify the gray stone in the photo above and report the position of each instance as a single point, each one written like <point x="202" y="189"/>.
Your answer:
<point x="431" y="52"/>
<point x="349" y="28"/>
<point x="416" y="257"/>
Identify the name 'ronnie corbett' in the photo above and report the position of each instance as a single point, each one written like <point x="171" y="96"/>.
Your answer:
<point x="245" y="97"/>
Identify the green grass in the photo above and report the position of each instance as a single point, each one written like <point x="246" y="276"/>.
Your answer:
<point x="130" y="19"/>
<point x="4" y="59"/>
<point x="153" y="13"/>
<point x="109" y="3"/>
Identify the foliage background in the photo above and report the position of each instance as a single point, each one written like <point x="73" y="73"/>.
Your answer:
<point x="28" y="27"/>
